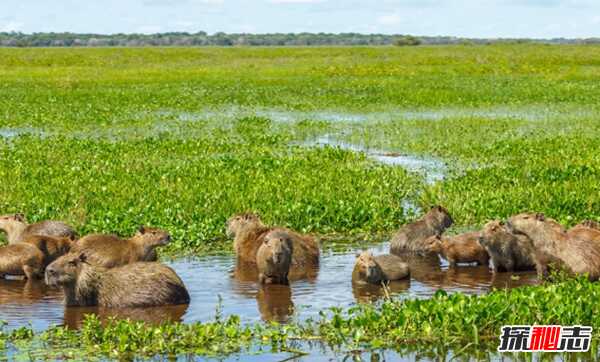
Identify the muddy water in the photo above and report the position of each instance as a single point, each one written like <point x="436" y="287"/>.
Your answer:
<point x="217" y="286"/>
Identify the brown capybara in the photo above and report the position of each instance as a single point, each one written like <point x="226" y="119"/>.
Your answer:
<point x="248" y="232"/>
<point x="52" y="247"/>
<point x="377" y="269"/>
<point x="274" y="257"/>
<point x="21" y="259"/>
<point x="554" y="248"/>
<point x="587" y="230"/>
<point x="17" y="229"/>
<point x="410" y="237"/>
<point x="462" y="248"/>
<point x="109" y="251"/>
<point x="141" y="284"/>
<point x="509" y="252"/>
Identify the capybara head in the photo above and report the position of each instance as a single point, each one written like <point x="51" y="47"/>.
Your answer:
<point x="432" y="244"/>
<point x="367" y="268"/>
<point x="65" y="270"/>
<point x="239" y="221"/>
<point x="440" y="216"/>
<point x="490" y="231"/>
<point x="7" y="220"/>
<point x="280" y="247"/>
<point x="531" y="224"/>
<point x="149" y="236"/>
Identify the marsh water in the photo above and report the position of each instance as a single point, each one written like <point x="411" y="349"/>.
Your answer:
<point x="216" y="285"/>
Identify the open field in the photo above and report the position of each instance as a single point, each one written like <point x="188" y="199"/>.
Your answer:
<point x="332" y="141"/>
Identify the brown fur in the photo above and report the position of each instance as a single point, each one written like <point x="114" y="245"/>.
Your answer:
<point x="249" y="232"/>
<point x="109" y="251"/>
<point x="142" y="284"/>
<point x="377" y="269"/>
<point x="509" y="252"/>
<point x="554" y="248"/>
<point x="21" y="259"/>
<point x="274" y="257"/>
<point x="587" y="230"/>
<point x="51" y="247"/>
<point x="17" y="229"/>
<point x="462" y="248"/>
<point x="410" y="237"/>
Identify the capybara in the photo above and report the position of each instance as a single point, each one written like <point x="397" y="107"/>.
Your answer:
<point x="274" y="257"/>
<point x="587" y="230"/>
<point x="462" y="248"/>
<point x="52" y="247"/>
<point x="21" y="259"/>
<point x="409" y="238"/>
<point x="16" y="228"/>
<point x="249" y="232"/>
<point x="509" y="252"/>
<point x="141" y="284"/>
<point x="377" y="269"/>
<point x="553" y="246"/>
<point x="110" y="251"/>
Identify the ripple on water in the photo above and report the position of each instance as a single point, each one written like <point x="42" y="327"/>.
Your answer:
<point x="214" y="280"/>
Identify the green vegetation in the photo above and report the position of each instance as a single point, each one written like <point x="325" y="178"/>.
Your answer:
<point x="457" y="324"/>
<point x="182" y="138"/>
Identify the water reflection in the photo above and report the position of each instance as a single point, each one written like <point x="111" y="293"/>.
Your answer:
<point x="217" y="285"/>
<point x="74" y="316"/>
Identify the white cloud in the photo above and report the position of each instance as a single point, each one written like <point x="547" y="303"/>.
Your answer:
<point x="11" y="25"/>
<point x="389" y="19"/>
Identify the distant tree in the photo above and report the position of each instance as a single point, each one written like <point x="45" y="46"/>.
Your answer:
<point x="407" y="40"/>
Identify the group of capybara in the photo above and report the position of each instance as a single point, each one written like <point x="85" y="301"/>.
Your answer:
<point x="108" y="271"/>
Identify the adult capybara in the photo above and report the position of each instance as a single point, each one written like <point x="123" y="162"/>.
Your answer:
<point x="509" y="252"/>
<point x="377" y="269"/>
<point x="249" y="232"/>
<point x="141" y="284"/>
<point x="587" y="230"/>
<point x="274" y="257"/>
<point x="462" y="248"/>
<point x="554" y="248"/>
<point x="52" y="247"/>
<point x="17" y="229"/>
<point x="21" y="259"/>
<point x="410" y="237"/>
<point x="110" y="251"/>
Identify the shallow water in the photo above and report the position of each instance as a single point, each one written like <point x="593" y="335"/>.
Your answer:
<point x="215" y="282"/>
<point x="432" y="169"/>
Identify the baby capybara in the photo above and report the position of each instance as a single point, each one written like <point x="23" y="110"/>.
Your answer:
<point x="462" y="248"/>
<point x="274" y="257"/>
<point x="52" y="247"/>
<point x="142" y="284"/>
<point x="377" y="269"/>
<point x="410" y="237"/>
<point x="110" y="251"/>
<point x="17" y="229"/>
<point x="249" y="232"/>
<point x="554" y="248"/>
<point x="509" y="252"/>
<point x="21" y="259"/>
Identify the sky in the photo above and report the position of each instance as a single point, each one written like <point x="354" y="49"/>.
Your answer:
<point x="463" y="18"/>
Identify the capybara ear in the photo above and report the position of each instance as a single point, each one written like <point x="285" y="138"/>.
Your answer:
<point x="357" y="255"/>
<point x="20" y="217"/>
<point x="501" y="223"/>
<point x="72" y="237"/>
<point x="540" y="216"/>
<point x="142" y="229"/>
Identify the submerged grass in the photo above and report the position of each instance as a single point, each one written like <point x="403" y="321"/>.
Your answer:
<point x="454" y="324"/>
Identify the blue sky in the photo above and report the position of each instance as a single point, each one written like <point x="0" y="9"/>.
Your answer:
<point x="469" y="18"/>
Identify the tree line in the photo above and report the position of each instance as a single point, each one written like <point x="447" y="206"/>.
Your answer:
<point x="17" y="39"/>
